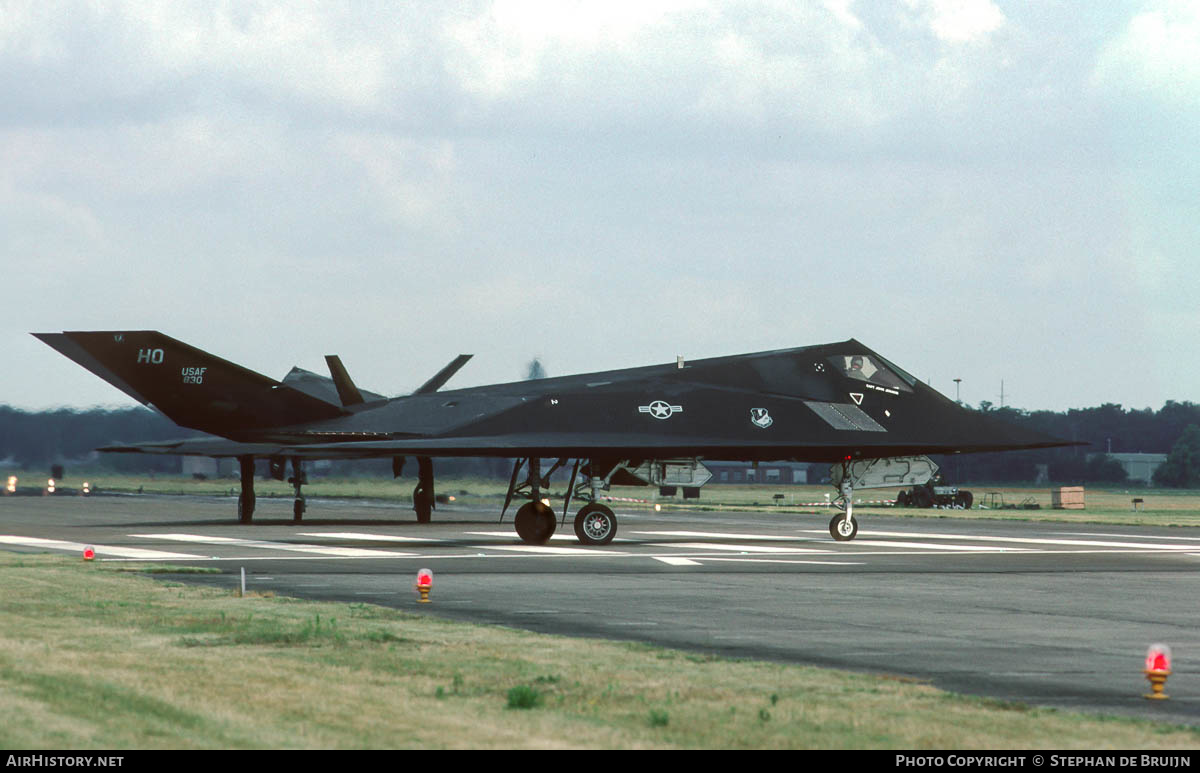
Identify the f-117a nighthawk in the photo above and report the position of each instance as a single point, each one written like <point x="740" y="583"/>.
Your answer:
<point x="839" y="403"/>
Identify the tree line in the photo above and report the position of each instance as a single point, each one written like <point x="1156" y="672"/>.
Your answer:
<point x="1108" y="428"/>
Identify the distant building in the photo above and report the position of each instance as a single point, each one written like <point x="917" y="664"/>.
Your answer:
<point x="227" y="467"/>
<point x="208" y="466"/>
<point x="1139" y="467"/>
<point x="787" y="473"/>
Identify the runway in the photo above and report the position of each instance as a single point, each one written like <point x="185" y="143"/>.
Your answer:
<point x="1039" y="612"/>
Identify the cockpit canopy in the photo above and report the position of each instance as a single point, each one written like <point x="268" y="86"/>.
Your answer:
<point x="873" y="370"/>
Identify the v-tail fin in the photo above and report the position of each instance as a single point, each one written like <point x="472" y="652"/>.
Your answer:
<point x="192" y="387"/>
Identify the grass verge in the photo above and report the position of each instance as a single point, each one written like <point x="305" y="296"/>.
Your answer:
<point x="100" y="659"/>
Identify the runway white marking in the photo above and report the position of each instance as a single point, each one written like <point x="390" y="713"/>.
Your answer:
<point x="1115" y="546"/>
<point x="720" y="535"/>
<point x="561" y="537"/>
<point x="762" y="537"/>
<point x="672" y="561"/>
<point x="707" y="547"/>
<point x="1147" y="546"/>
<point x="735" y="548"/>
<point x="947" y="548"/>
<point x="551" y="551"/>
<point x="366" y="537"/>
<point x="101" y="550"/>
<point x="1133" y="536"/>
<point x="728" y="559"/>
<point x="264" y="545"/>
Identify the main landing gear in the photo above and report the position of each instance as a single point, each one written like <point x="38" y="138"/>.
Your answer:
<point x="424" y="500"/>
<point x="246" y="499"/>
<point x="595" y="523"/>
<point x="298" y="479"/>
<point x="423" y="496"/>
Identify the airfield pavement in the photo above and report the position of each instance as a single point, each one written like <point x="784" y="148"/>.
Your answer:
<point x="1045" y="613"/>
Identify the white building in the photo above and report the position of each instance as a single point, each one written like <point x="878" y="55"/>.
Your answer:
<point x="1139" y="467"/>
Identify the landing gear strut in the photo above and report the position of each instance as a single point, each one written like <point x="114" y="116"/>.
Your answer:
<point x="535" y="520"/>
<point x="843" y="527"/>
<point x="423" y="496"/>
<point x="246" y="498"/>
<point x="297" y="480"/>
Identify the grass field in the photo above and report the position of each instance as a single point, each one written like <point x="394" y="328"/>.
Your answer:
<point x="1160" y="507"/>
<point x="93" y="657"/>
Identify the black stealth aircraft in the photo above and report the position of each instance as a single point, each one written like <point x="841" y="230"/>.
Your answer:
<point x="839" y="403"/>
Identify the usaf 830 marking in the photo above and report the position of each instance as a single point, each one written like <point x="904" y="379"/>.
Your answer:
<point x="838" y="403"/>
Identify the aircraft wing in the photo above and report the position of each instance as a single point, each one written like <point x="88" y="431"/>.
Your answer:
<point x="214" y="447"/>
<point x="641" y="446"/>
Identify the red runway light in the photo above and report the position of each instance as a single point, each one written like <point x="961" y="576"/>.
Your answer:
<point x="1158" y="658"/>
<point x="423" y="584"/>
<point x="1158" y="668"/>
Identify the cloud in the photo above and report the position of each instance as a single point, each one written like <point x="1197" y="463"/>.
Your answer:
<point x="959" y="21"/>
<point x="660" y="176"/>
<point x="1155" y="56"/>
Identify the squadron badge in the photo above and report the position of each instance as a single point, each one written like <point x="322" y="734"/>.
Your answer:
<point x="761" y="418"/>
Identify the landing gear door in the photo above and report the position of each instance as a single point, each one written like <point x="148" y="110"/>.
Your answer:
<point x="672" y="472"/>
<point x="886" y="473"/>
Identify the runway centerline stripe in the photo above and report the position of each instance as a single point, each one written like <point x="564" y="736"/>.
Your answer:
<point x="1017" y="540"/>
<point x="264" y="545"/>
<point x="728" y="559"/>
<point x="724" y="536"/>
<point x="1066" y="542"/>
<point x="735" y="548"/>
<point x="672" y="561"/>
<point x="564" y="537"/>
<point x="933" y="546"/>
<point x="101" y="550"/>
<point x="1137" y="536"/>
<point x="365" y="537"/>
<point x="550" y="550"/>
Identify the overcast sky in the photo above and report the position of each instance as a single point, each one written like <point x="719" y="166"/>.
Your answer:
<point x="975" y="189"/>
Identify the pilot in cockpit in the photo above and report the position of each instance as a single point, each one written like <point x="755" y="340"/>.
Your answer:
<point x="859" y="368"/>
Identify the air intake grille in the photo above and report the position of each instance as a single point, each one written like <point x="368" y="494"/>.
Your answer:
<point x="845" y="416"/>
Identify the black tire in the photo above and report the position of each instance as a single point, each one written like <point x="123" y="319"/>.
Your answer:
<point x="841" y="532"/>
<point x="595" y="524"/>
<point x="902" y="499"/>
<point x="964" y="499"/>
<point x="535" y="523"/>
<point x="921" y="497"/>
